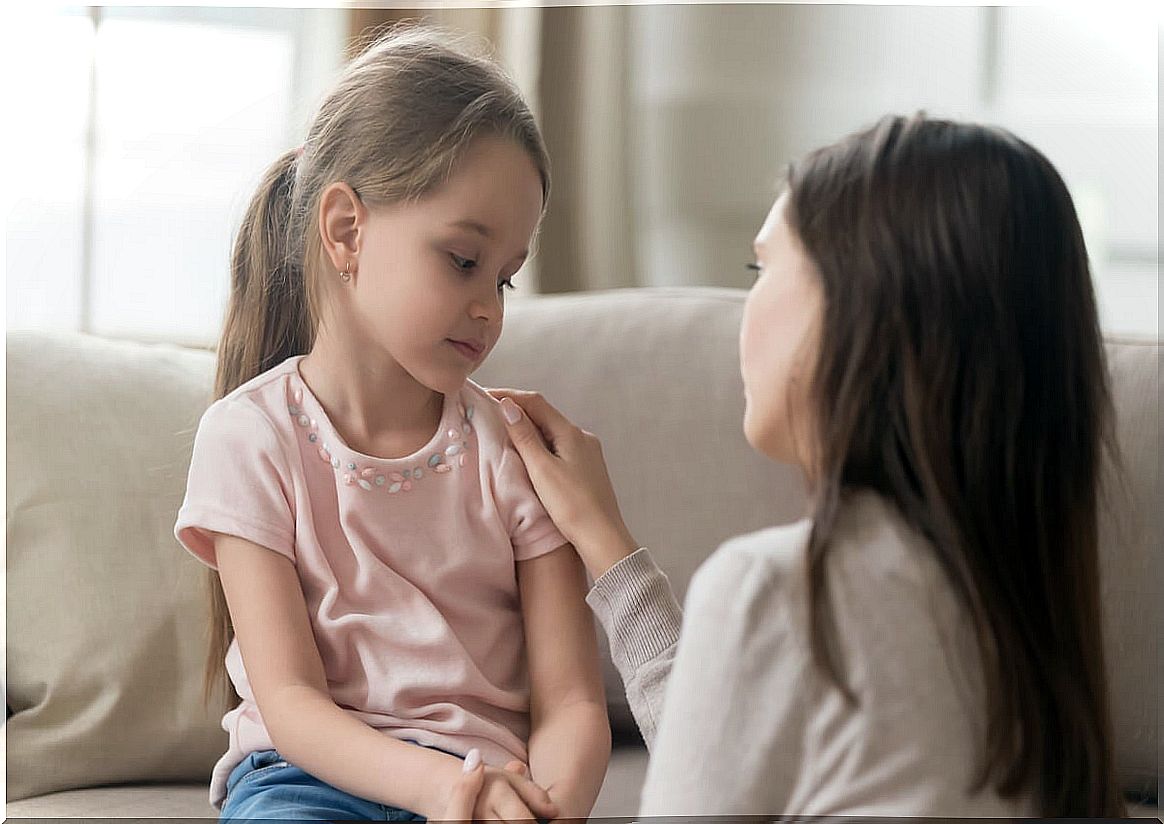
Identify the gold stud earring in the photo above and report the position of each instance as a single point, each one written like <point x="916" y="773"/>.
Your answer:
<point x="346" y="274"/>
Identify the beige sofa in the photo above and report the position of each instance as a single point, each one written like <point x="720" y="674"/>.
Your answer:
<point x="106" y="613"/>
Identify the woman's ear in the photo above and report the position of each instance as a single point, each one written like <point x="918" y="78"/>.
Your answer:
<point x="342" y="218"/>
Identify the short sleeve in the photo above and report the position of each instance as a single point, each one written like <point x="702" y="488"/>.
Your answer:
<point x="531" y="531"/>
<point x="239" y="484"/>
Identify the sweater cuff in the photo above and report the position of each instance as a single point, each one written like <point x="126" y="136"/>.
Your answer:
<point x="638" y="611"/>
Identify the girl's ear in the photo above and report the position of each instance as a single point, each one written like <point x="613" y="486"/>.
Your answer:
<point x="341" y="222"/>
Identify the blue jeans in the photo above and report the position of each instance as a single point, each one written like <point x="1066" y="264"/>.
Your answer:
<point x="265" y="786"/>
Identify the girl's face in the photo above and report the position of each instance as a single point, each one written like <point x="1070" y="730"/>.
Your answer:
<point x="429" y="289"/>
<point x="779" y="342"/>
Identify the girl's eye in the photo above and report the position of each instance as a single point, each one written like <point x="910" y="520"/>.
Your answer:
<point x="755" y="267"/>
<point x="464" y="264"/>
<point x="507" y="283"/>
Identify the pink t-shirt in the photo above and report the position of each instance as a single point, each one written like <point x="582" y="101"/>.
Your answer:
<point x="407" y="565"/>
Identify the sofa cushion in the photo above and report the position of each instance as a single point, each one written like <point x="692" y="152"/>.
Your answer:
<point x="1130" y="565"/>
<point x="106" y="616"/>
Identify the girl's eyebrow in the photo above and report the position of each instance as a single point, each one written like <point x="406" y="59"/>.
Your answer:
<point x="481" y="229"/>
<point x="473" y="226"/>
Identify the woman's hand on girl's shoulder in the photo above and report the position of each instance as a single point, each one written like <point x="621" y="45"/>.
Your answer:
<point x="568" y="471"/>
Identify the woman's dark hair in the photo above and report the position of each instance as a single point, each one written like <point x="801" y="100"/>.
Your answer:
<point x="961" y="375"/>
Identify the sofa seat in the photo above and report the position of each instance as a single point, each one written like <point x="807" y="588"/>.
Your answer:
<point x="619" y="798"/>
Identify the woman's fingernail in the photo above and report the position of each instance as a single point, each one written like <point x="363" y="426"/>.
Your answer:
<point x="510" y="411"/>
<point x="472" y="759"/>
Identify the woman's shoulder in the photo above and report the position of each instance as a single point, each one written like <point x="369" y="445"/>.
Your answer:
<point x="872" y="544"/>
<point x="755" y="565"/>
<point x="777" y="549"/>
<point x="871" y="547"/>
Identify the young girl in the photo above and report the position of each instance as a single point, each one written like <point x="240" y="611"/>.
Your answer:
<point x="397" y="594"/>
<point x="922" y="340"/>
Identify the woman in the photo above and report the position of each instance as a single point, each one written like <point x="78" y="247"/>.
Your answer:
<point x="922" y="342"/>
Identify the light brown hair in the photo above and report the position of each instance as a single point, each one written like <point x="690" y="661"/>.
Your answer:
<point x="961" y="376"/>
<point x="393" y="128"/>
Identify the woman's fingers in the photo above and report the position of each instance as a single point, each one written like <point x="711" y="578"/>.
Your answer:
<point x="534" y="445"/>
<point x="569" y="474"/>
<point x="550" y="423"/>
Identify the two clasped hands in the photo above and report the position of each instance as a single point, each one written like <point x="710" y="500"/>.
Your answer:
<point x="470" y="793"/>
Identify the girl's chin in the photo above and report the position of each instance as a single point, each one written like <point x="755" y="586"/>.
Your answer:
<point x="440" y="378"/>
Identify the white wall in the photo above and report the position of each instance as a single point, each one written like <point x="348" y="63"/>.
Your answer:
<point x="725" y="95"/>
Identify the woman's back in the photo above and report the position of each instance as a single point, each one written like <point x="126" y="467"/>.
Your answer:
<point x="911" y="744"/>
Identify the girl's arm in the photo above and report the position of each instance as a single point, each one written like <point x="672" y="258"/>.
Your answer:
<point x="641" y="617"/>
<point x="631" y="597"/>
<point x="287" y="678"/>
<point x="569" y="745"/>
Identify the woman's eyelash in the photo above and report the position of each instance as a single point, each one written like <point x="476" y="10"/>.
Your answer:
<point x="506" y="284"/>
<point x="464" y="264"/>
<point x="755" y="267"/>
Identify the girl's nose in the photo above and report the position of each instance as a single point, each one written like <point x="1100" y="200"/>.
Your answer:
<point x="489" y="307"/>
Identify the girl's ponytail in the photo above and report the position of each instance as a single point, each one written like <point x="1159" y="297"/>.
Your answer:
<point x="267" y="321"/>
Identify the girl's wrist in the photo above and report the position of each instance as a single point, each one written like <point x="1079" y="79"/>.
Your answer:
<point x="440" y="788"/>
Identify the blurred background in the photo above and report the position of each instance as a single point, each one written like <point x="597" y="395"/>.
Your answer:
<point x="140" y="133"/>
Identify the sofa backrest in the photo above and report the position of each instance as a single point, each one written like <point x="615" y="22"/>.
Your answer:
<point x="106" y="614"/>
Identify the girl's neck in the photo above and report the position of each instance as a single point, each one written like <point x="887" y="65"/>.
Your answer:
<point x="374" y="403"/>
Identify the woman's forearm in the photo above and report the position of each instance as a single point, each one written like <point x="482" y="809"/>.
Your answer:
<point x="569" y="751"/>
<point x="604" y="546"/>
<point x="638" y="611"/>
<point x="311" y="732"/>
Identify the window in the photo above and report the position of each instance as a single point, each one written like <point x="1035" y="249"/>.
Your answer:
<point x="145" y="143"/>
<point x="1080" y="84"/>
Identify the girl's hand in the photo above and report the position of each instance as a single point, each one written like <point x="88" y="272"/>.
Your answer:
<point x="463" y="798"/>
<point x="483" y="793"/>
<point x="569" y="474"/>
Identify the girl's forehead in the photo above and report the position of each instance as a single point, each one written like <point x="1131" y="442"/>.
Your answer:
<point x="489" y="204"/>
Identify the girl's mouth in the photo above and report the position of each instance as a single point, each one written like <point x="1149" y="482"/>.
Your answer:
<point x="470" y="351"/>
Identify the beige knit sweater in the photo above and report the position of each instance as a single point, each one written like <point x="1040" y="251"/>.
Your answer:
<point x="751" y="727"/>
